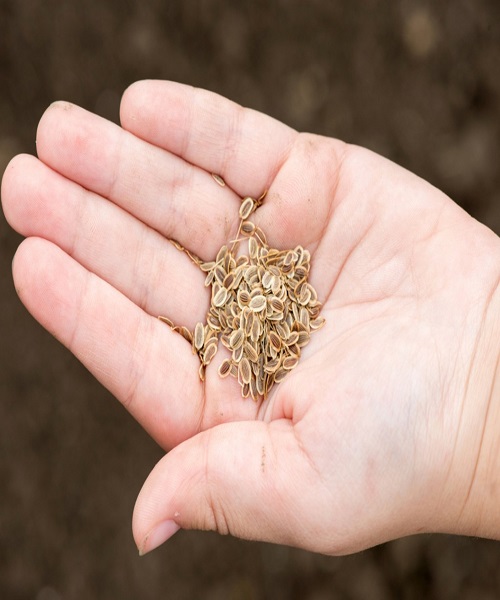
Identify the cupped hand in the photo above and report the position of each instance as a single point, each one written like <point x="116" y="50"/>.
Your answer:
<point x="377" y="432"/>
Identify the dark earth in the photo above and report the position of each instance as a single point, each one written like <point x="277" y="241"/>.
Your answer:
<point x="416" y="81"/>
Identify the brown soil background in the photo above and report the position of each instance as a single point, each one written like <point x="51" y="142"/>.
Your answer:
<point x="418" y="82"/>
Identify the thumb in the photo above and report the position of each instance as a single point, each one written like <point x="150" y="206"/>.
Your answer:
<point x="237" y="478"/>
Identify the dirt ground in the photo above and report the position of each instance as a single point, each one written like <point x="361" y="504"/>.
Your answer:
<point x="417" y="81"/>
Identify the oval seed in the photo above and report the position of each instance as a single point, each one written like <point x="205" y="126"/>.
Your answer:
<point x="242" y="261"/>
<point x="166" y="320"/>
<point x="234" y="370"/>
<point x="290" y="362"/>
<point x="210" y="352"/>
<point x="199" y="336"/>
<point x="214" y="322"/>
<point x="247" y="227"/>
<point x="251" y="353"/>
<point x="260" y="384"/>
<point x="225" y="368"/>
<point x="253" y="389"/>
<point x="303" y="339"/>
<point x="238" y="354"/>
<point x="186" y="334"/>
<point x="247" y="207"/>
<point x="209" y="278"/>
<point x="276" y="304"/>
<point x="220" y="297"/>
<point x="275" y="285"/>
<point x="304" y="317"/>
<point x="282" y="330"/>
<point x="253" y="248"/>
<point x="305" y="295"/>
<point x="317" y="323"/>
<point x="219" y="179"/>
<point x="207" y="266"/>
<point x="249" y="319"/>
<point x="258" y="303"/>
<point x="267" y="279"/>
<point x="236" y="339"/>
<point x="280" y="374"/>
<point x="243" y="298"/>
<point x="220" y="274"/>
<point x="256" y="329"/>
<point x="228" y="280"/>
<point x="260" y="236"/>
<point x="244" y="370"/>
<point x="274" y="340"/>
<point x="271" y="366"/>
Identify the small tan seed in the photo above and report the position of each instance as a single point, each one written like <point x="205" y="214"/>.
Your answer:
<point x="274" y="340"/>
<point x="166" y="320"/>
<point x="317" y="323"/>
<point x="210" y="352"/>
<point x="225" y="368"/>
<point x="244" y="370"/>
<point x="247" y="227"/>
<point x="280" y="374"/>
<point x="219" y="179"/>
<point x="251" y="353"/>
<point x="290" y="362"/>
<point x="199" y="336"/>
<point x="258" y="303"/>
<point x="220" y="297"/>
<point x="246" y="208"/>
<point x="236" y="339"/>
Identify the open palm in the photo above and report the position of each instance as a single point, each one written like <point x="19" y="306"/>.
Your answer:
<point x="370" y="437"/>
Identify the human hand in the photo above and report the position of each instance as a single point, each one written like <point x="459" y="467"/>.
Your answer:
<point x="382" y="430"/>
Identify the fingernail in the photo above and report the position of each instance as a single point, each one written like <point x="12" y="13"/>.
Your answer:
<point x="157" y="536"/>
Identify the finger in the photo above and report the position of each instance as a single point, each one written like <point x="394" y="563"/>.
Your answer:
<point x="245" y="147"/>
<point x="105" y="239"/>
<point x="150" y="369"/>
<point x="238" y="478"/>
<point x="252" y="152"/>
<point x="177" y="199"/>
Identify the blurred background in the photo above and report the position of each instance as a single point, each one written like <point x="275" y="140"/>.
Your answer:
<point x="416" y="81"/>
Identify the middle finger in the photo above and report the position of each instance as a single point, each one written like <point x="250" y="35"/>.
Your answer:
<point x="177" y="199"/>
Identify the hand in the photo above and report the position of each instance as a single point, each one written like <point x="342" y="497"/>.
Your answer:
<point x="382" y="429"/>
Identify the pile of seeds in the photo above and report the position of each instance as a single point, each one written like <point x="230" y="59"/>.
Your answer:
<point x="263" y="309"/>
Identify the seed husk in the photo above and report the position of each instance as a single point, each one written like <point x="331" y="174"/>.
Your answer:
<point x="236" y="339"/>
<point x="199" y="336"/>
<point x="166" y="320"/>
<point x="219" y="179"/>
<point x="247" y="227"/>
<point x="244" y="370"/>
<point x="225" y="368"/>
<point x="247" y="207"/>
<point x="258" y="303"/>
<point x="220" y="297"/>
<point x="210" y="351"/>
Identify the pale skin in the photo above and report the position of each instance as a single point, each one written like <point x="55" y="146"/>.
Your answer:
<point x="388" y="426"/>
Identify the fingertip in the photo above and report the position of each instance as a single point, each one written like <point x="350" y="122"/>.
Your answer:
<point x="47" y="120"/>
<point x="18" y="178"/>
<point x="29" y="259"/>
<point x="158" y="535"/>
<point x="134" y="96"/>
